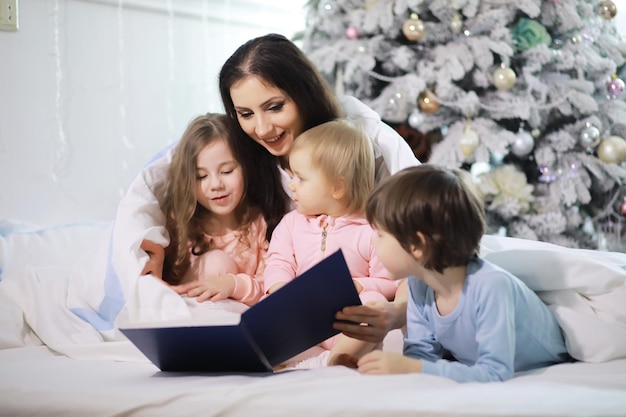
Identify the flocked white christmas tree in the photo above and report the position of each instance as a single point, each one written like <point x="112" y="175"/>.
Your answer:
<point x="526" y="94"/>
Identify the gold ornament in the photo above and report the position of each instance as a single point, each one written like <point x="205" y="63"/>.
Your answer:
<point x="621" y="143"/>
<point x="612" y="150"/>
<point x="607" y="9"/>
<point x="414" y="28"/>
<point x="576" y="39"/>
<point x="456" y="24"/>
<point x="469" y="140"/>
<point x="504" y="78"/>
<point x="370" y="4"/>
<point x="427" y="102"/>
<point x="535" y="133"/>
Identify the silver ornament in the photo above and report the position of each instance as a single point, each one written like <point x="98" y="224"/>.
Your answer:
<point x="589" y="136"/>
<point x="523" y="144"/>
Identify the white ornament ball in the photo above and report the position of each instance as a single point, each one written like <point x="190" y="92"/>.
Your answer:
<point x="523" y="144"/>
<point x="612" y="150"/>
<point x="469" y="141"/>
<point x="415" y="119"/>
<point x="327" y="7"/>
<point x="504" y="78"/>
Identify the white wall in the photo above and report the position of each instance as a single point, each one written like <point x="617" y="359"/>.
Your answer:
<point x="91" y="89"/>
<point x="620" y="17"/>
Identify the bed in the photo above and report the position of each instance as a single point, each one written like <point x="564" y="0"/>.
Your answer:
<point x="61" y="353"/>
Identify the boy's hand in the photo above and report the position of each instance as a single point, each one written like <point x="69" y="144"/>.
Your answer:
<point x="379" y="362"/>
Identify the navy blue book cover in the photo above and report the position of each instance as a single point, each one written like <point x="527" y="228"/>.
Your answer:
<point x="293" y="319"/>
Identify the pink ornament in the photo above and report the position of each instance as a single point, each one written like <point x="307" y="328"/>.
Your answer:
<point x="615" y="87"/>
<point x="624" y="206"/>
<point x="352" y="32"/>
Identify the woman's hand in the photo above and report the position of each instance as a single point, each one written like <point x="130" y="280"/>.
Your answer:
<point x="370" y="322"/>
<point x="156" y="253"/>
<point x="216" y="288"/>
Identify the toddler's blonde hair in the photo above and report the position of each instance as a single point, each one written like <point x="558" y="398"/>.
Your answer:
<point x="342" y="150"/>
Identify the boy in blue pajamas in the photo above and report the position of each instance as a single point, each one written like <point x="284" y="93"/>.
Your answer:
<point x="429" y="221"/>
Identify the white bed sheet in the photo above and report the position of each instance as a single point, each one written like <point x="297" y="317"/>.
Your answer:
<point x="35" y="381"/>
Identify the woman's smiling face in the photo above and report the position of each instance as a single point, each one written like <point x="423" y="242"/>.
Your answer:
<point x="266" y="114"/>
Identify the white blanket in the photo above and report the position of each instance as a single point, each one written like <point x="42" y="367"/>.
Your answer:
<point x="59" y="287"/>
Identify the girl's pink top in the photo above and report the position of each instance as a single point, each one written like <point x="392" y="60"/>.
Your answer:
<point x="300" y="241"/>
<point x="249" y="256"/>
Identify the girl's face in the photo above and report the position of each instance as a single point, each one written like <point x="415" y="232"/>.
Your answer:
<point x="266" y="114"/>
<point x="393" y="256"/>
<point x="219" y="181"/>
<point x="311" y="192"/>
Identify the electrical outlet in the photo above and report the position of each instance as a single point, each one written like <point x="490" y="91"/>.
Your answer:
<point x="8" y="15"/>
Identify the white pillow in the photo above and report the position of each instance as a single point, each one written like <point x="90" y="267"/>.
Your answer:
<point x="585" y="289"/>
<point x="547" y="267"/>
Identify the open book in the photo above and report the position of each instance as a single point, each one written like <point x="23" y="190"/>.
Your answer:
<point x="293" y="319"/>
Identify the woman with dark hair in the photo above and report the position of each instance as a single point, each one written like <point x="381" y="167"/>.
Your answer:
<point x="272" y="93"/>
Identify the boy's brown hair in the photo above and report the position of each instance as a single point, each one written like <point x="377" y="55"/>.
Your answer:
<point x="440" y="203"/>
